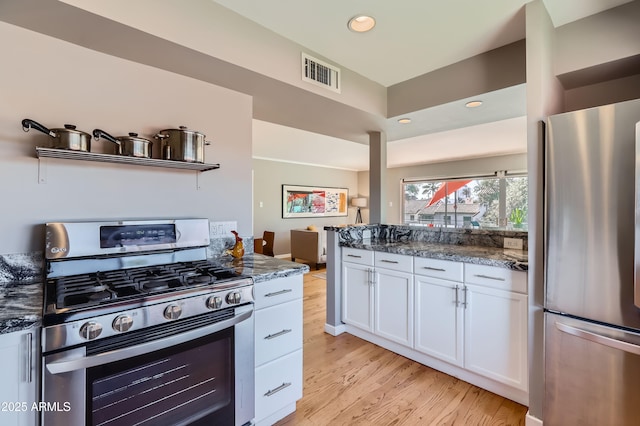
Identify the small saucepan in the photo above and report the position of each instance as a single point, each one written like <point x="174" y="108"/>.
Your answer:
<point x="67" y="138"/>
<point x="131" y="146"/>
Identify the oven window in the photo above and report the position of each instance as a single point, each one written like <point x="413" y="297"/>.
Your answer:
<point x="187" y="384"/>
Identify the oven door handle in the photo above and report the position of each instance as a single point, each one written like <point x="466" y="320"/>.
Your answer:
<point x="65" y="366"/>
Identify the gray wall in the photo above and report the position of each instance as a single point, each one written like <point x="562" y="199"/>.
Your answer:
<point x="55" y="82"/>
<point x="269" y="176"/>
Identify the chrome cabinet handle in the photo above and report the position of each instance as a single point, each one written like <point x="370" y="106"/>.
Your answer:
<point x="434" y="269"/>
<point x="353" y="255"/>
<point x="389" y="261"/>
<point x="455" y="290"/>
<point x="29" y="361"/>
<point x="278" y="293"/>
<point x="489" y="277"/>
<point x="464" y="291"/>
<point x="278" y="389"/>
<point x="278" y="334"/>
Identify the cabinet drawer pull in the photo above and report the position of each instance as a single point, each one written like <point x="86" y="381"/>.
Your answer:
<point x="489" y="277"/>
<point x="29" y="359"/>
<point x="434" y="269"/>
<point x="389" y="261"/>
<point x="278" y="334"/>
<point x="278" y="293"/>
<point x="455" y="289"/>
<point x="278" y="389"/>
<point x="353" y="255"/>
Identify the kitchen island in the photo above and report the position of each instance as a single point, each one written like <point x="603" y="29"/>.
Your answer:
<point x="451" y="299"/>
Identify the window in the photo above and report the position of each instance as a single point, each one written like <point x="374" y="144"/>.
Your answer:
<point x="485" y="202"/>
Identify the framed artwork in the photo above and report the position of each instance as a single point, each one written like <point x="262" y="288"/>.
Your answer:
<point x="311" y="201"/>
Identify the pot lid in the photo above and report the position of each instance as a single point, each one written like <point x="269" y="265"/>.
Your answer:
<point x="183" y="129"/>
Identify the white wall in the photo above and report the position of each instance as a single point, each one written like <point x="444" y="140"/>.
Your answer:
<point x="269" y="176"/>
<point x="55" y="82"/>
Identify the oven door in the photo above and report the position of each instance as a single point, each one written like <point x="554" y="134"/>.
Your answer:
<point x="197" y="371"/>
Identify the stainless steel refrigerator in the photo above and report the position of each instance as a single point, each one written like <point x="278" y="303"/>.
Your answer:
<point x="592" y="276"/>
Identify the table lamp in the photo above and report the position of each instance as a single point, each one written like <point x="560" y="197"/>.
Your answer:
<point x="359" y="202"/>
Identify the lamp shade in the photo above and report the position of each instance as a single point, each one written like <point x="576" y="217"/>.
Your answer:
<point x="359" y="202"/>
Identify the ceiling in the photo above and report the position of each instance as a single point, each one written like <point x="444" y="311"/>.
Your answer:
<point x="411" y="38"/>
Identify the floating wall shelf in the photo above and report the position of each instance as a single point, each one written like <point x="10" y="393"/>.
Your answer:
<point x="122" y="159"/>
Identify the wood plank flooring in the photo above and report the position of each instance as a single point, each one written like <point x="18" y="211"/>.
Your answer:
<point x="348" y="381"/>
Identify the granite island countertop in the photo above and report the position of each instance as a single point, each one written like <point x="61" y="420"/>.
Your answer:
<point x="491" y="256"/>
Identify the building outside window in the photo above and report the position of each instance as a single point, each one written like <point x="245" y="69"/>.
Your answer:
<point x="484" y="202"/>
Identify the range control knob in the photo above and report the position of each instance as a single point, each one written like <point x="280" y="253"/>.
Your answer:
<point x="90" y="330"/>
<point x="122" y="323"/>
<point x="172" y="312"/>
<point x="234" y="298"/>
<point x="214" y="302"/>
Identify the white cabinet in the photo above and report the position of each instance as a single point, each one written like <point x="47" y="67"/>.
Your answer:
<point x="496" y="325"/>
<point x="467" y="320"/>
<point x="377" y="294"/>
<point x="357" y="295"/>
<point x="18" y="378"/>
<point x="278" y="347"/>
<point x="439" y="319"/>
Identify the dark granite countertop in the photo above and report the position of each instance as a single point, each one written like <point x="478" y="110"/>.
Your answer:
<point x="264" y="268"/>
<point x="21" y="303"/>
<point x="20" y="306"/>
<point x="491" y="256"/>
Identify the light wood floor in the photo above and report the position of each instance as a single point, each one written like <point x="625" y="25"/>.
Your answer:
<point x="349" y="381"/>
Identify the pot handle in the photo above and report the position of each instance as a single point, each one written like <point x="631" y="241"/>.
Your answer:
<point x="207" y="143"/>
<point x="97" y="133"/>
<point x="29" y="124"/>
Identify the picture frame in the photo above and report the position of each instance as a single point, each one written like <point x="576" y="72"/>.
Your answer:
<point x="313" y="201"/>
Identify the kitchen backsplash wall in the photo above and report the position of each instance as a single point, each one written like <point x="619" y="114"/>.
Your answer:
<point x="55" y="83"/>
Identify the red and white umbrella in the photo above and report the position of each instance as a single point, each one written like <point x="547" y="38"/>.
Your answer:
<point x="447" y="188"/>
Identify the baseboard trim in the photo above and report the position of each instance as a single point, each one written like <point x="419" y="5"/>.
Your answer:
<point x="334" y="330"/>
<point x="283" y="256"/>
<point x="529" y="420"/>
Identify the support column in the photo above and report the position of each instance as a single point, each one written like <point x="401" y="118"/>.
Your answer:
<point x="377" y="177"/>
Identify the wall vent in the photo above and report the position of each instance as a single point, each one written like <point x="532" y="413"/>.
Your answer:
<point x="320" y="73"/>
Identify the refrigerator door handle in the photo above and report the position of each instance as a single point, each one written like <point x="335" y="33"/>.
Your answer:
<point x="636" y="245"/>
<point x="598" y="338"/>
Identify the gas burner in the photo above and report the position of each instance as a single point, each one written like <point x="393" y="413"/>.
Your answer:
<point x="199" y="279"/>
<point x="155" y="284"/>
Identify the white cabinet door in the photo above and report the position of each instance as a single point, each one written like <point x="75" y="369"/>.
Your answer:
<point x="394" y="306"/>
<point x="18" y="378"/>
<point x="439" y="319"/>
<point x="357" y="295"/>
<point x="496" y="335"/>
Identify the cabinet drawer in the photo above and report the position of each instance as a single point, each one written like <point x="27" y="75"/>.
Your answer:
<point x="491" y="276"/>
<point x="278" y="384"/>
<point x="278" y="331"/>
<point x="443" y="269"/>
<point x="363" y="257"/>
<point x="396" y="262"/>
<point x="276" y="291"/>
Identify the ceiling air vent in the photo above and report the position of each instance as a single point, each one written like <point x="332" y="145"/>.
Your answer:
<point x="320" y="73"/>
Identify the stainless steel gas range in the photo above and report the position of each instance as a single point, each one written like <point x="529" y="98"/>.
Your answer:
<point x="141" y="329"/>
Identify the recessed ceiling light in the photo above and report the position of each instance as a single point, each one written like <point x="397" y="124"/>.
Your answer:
<point x="404" y="120"/>
<point x="473" y="104"/>
<point x="361" y="23"/>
